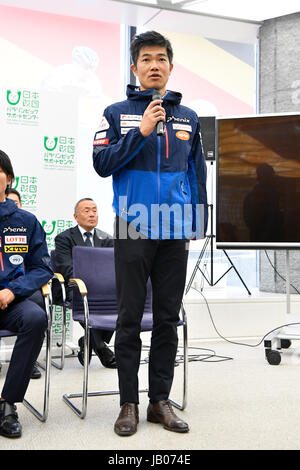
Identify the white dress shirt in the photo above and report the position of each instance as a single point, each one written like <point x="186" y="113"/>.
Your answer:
<point x="82" y="231"/>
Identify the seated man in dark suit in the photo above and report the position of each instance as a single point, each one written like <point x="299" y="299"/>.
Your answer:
<point x="84" y="234"/>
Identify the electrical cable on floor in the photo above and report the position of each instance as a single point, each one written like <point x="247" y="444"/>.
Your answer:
<point x="225" y="358"/>
<point x="237" y="342"/>
<point x="206" y="358"/>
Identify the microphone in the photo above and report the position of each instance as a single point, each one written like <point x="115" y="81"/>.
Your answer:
<point x="160" y="124"/>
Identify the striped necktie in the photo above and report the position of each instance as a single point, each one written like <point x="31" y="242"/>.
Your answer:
<point x="88" y="238"/>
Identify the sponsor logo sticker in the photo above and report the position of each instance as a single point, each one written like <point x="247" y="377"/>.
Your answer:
<point x="15" y="239"/>
<point x="15" y="229"/>
<point x="103" y="124"/>
<point x="177" y="119"/>
<point x="100" y="135"/>
<point x="182" y="135"/>
<point x="101" y="142"/>
<point x="124" y="130"/>
<point x="16" y="249"/>
<point x="130" y="123"/>
<point x="16" y="259"/>
<point x="182" y="127"/>
<point x="131" y="117"/>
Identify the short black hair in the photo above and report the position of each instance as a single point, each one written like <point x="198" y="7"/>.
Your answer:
<point x="80" y="200"/>
<point x="150" y="38"/>
<point x="13" y="191"/>
<point x="6" y="166"/>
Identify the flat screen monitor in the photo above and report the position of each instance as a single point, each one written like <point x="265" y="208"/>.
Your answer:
<point x="258" y="182"/>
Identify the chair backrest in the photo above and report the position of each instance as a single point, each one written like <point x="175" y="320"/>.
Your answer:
<point x="96" y="267"/>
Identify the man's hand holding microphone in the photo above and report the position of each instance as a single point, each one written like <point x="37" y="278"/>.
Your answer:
<point x="154" y="116"/>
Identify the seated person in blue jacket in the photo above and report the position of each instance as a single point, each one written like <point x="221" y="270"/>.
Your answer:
<point x="22" y="243"/>
<point x="36" y="296"/>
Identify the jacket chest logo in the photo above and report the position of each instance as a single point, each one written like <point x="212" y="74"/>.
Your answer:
<point x="182" y="135"/>
<point x="16" y="248"/>
<point x="11" y="239"/>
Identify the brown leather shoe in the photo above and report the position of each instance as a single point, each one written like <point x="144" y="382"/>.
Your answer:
<point x="126" y="424"/>
<point x="162" y="412"/>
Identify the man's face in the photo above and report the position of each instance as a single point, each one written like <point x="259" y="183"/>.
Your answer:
<point x="87" y="215"/>
<point x="15" y="198"/>
<point x="153" y="68"/>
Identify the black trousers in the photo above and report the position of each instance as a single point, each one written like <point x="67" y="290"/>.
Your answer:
<point x="165" y="262"/>
<point x="29" y="321"/>
<point x="99" y="338"/>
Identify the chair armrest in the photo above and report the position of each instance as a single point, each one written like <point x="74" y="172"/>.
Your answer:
<point x="45" y="290"/>
<point x="83" y="291"/>
<point x="59" y="277"/>
<point x="80" y="284"/>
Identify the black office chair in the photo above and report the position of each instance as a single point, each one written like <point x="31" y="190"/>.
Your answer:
<point x="42" y="416"/>
<point x="95" y="306"/>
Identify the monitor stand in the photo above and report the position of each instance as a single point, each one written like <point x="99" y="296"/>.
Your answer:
<point x="208" y="245"/>
<point x="281" y="338"/>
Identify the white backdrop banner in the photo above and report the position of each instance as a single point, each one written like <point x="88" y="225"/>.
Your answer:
<point x="39" y="132"/>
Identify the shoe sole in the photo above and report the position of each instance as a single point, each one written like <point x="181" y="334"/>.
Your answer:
<point x="9" y="435"/>
<point x="124" y="433"/>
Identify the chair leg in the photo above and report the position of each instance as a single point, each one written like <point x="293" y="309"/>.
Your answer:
<point x="67" y="397"/>
<point x="42" y="416"/>
<point x="182" y="406"/>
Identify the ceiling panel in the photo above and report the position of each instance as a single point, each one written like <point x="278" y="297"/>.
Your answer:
<point x="231" y="20"/>
<point x="254" y="10"/>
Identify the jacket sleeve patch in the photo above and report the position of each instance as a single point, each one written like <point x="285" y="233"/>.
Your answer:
<point x="101" y="142"/>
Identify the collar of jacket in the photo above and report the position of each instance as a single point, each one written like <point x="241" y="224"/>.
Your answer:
<point x="7" y="208"/>
<point x="134" y="93"/>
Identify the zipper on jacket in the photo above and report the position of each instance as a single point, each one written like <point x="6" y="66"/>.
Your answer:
<point x="158" y="167"/>
<point x="167" y="141"/>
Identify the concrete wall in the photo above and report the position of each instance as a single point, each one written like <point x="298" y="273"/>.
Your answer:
<point x="279" y="91"/>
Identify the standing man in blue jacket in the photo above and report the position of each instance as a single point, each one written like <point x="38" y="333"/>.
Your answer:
<point x="160" y="202"/>
<point x="22" y="243"/>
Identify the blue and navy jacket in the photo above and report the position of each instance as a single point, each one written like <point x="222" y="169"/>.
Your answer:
<point x="24" y="259"/>
<point x="159" y="182"/>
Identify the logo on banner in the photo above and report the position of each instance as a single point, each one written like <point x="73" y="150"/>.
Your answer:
<point x="53" y="228"/>
<point x="59" y="152"/>
<point x="28" y="189"/>
<point x="22" y="107"/>
<point x="13" y="98"/>
<point x="50" y="144"/>
<point x="57" y="323"/>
